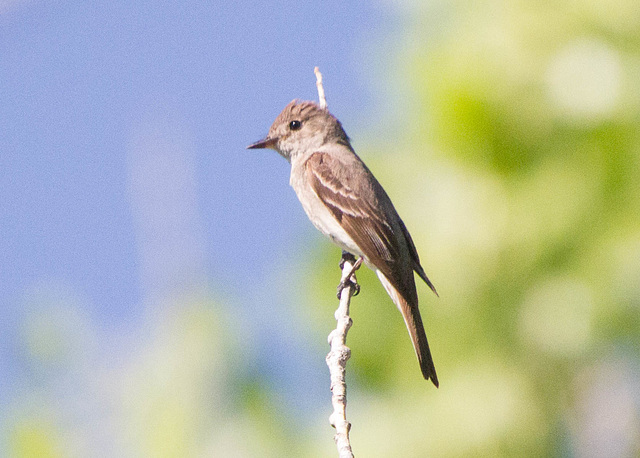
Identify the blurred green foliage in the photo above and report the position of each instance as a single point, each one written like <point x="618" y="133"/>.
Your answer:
<point x="514" y="159"/>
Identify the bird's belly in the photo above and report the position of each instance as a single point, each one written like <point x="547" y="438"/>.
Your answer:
<point x="326" y="223"/>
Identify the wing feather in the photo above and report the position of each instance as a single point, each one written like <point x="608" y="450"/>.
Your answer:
<point x="358" y="202"/>
<point x="354" y="204"/>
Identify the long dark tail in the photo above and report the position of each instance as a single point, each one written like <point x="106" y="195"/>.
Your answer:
<point x="413" y="320"/>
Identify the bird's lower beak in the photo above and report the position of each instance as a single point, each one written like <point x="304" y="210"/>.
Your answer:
<point x="264" y="143"/>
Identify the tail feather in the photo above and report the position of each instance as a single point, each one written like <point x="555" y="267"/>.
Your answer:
<point x="420" y="343"/>
<point x="413" y="321"/>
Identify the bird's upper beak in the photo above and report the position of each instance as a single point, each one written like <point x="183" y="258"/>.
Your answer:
<point x="264" y="143"/>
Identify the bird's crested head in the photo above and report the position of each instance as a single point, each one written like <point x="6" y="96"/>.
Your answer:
<point x="303" y="128"/>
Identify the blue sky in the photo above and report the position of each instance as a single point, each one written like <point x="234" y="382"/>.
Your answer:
<point x="86" y="86"/>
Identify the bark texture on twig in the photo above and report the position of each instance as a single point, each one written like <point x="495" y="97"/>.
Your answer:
<point x="321" y="97"/>
<point x="340" y="353"/>
<point x="338" y="356"/>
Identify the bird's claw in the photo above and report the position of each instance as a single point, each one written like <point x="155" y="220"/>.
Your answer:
<point x="348" y="283"/>
<point x="356" y="288"/>
<point x="351" y="280"/>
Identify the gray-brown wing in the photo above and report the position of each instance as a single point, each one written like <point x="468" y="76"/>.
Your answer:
<point x="354" y="202"/>
<point x="415" y="258"/>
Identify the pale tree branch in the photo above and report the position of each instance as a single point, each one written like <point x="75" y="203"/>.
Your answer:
<point x="321" y="97"/>
<point x="340" y="353"/>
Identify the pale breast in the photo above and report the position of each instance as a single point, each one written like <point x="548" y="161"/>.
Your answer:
<point x="318" y="213"/>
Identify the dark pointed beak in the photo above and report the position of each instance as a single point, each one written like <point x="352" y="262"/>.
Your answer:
<point x="264" y="143"/>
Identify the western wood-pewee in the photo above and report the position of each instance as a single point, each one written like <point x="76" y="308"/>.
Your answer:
<point x="345" y="202"/>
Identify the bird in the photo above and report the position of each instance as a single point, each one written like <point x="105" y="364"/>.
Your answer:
<point x="346" y="203"/>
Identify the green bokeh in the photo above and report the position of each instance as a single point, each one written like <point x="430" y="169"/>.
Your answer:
<point x="515" y="164"/>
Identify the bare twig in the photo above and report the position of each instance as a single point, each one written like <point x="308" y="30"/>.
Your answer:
<point x="321" y="97"/>
<point x="339" y="354"/>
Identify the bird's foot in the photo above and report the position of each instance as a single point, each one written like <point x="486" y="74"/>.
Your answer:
<point x="348" y="283"/>
<point x="346" y="256"/>
<point x="350" y="280"/>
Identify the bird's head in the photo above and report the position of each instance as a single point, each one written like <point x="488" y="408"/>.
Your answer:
<point x="302" y="128"/>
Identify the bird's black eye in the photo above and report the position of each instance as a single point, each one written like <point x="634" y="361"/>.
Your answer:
<point x="295" y="125"/>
